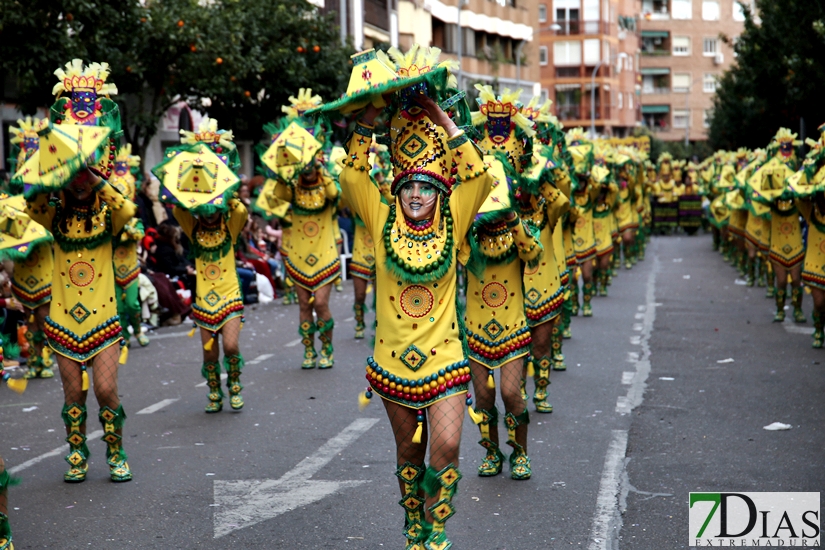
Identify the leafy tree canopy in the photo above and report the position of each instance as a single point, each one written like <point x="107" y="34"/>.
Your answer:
<point x="778" y="76"/>
<point x="237" y="60"/>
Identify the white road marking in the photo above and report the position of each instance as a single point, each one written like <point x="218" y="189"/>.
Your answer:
<point x="260" y="358"/>
<point x="349" y="319"/>
<point x="245" y="503"/>
<point x="607" y="501"/>
<point x="54" y="452"/>
<point x="640" y="315"/>
<point x="632" y="356"/>
<point x="164" y="335"/>
<point x="203" y="384"/>
<point x="627" y="378"/>
<point x="157" y="406"/>
<point x="641" y="308"/>
<point x="638" y="327"/>
<point x="793" y="328"/>
<point x="293" y="343"/>
<point x="636" y="340"/>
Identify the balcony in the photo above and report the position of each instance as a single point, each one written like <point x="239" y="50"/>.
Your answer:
<point x="655" y="10"/>
<point x="653" y="90"/>
<point x="568" y="112"/>
<point x="568" y="72"/>
<point x="655" y="43"/>
<point x="571" y="27"/>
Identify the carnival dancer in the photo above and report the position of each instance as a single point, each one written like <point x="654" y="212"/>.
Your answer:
<point x="199" y="178"/>
<point x="757" y="227"/>
<point x="603" y="218"/>
<point x="297" y="158"/>
<point x="665" y="208"/>
<point x="83" y="216"/>
<point x="31" y="251"/>
<point x="495" y="252"/>
<point x="627" y="217"/>
<point x="127" y="268"/>
<point x="585" y="194"/>
<point x="808" y="187"/>
<point x="440" y="182"/>
<point x="787" y="251"/>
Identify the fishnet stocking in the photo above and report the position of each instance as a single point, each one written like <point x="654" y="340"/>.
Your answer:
<point x="510" y="384"/>
<point x="230" y="333"/>
<point x="320" y="306"/>
<point x="103" y="369"/>
<point x="542" y="339"/>
<point x="360" y="286"/>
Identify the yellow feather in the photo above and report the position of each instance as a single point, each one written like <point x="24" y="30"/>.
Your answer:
<point x="531" y="370"/>
<point x="208" y="345"/>
<point x="474" y="416"/>
<point x="84" y="385"/>
<point x="17" y="385"/>
<point x="124" y="355"/>
<point x="418" y="431"/>
<point x="491" y="382"/>
<point x="191" y="332"/>
<point x="363" y="401"/>
<point x="32" y="319"/>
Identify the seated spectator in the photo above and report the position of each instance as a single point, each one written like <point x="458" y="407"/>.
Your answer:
<point x="169" y="257"/>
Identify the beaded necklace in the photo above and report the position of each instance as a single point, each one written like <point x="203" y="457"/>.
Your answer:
<point x="212" y="241"/>
<point x="309" y="198"/>
<point x="495" y="242"/>
<point x="534" y="211"/>
<point x="417" y="255"/>
<point x="79" y="215"/>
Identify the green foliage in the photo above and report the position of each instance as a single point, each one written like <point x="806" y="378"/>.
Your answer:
<point x="242" y="56"/>
<point x="778" y="76"/>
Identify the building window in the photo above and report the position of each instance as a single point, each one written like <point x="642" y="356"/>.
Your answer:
<point x="681" y="82"/>
<point x="708" y="115"/>
<point x="681" y="45"/>
<point x="710" y="46"/>
<point x="545" y="93"/>
<point x="542" y="13"/>
<point x="710" y="10"/>
<point x="542" y="55"/>
<point x="591" y="51"/>
<point x="620" y="99"/>
<point x="567" y="53"/>
<point x="682" y="9"/>
<point x="681" y="119"/>
<point x="709" y="83"/>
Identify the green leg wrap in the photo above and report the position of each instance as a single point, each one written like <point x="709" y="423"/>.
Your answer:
<point x="751" y="277"/>
<point x="325" y="327"/>
<point x="412" y="501"/>
<point x="796" y="301"/>
<point x="74" y="416"/>
<point x="307" y="332"/>
<point x="519" y="461"/>
<point x="780" y="304"/>
<point x="5" y="532"/>
<point x="212" y="372"/>
<point x="494" y="460"/>
<point x="443" y="485"/>
<point x="541" y="377"/>
<point x="605" y="283"/>
<point x="574" y="297"/>
<point x="587" y="309"/>
<point x="112" y="421"/>
<point x="762" y="271"/>
<point x="523" y="384"/>
<point x="556" y="342"/>
<point x="360" y="326"/>
<point x="566" y="315"/>
<point x="233" y="364"/>
<point x="819" y="334"/>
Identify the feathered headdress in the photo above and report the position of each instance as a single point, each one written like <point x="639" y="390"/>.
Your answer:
<point x="301" y="104"/>
<point x="76" y="78"/>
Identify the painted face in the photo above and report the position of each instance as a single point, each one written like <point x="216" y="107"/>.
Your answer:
<point x="81" y="186"/>
<point x="786" y="148"/>
<point x="121" y="168"/>
<point x="498" y="127"/>
<point x="418" y="200"/>
<point x="30" y="145"/>
<point x="83" y="105"/>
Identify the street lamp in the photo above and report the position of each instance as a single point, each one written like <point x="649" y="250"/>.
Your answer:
<point x="620" y="55"/>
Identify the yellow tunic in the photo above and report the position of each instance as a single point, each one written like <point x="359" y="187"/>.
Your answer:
<point x="543" y="290"/>
<point x="584" y="239"/>
<point x="665" y="191"/>
<point x="125" y="259"/>
<point x="738" y="222"/>
<point x="218" y="295"/>
<point x="813" y="272"/>
<point x="362" y="264"/>
<point x="83" y="318"/>
<point x="758" y="231"/>
<point x="626" y="215"/>
<point x="496" y="326"/>
<point x="418" y="357"/>
<point x="312" y="259"/>
<point x="31" y="281"/>
<point x="786" y="234"/>
<point x="603" y="220"/>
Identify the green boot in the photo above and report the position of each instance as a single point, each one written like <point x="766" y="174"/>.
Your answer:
<point x="412" y="501"/>
<point x="493" y="461"/>
<point x="819" y="334"/>
<point x="442" y="485"/>
<point x="565" y="319"/>
<point x="325" y="327"/>
<point x="761" y="275"/>
<point x="112" y="421"/>
<point x="307" y="332"/>
<point x="5" y="529"/>
<point x="212" y="372"/>
<point x="360" y="326"/>
<point x="780" y="305"/>
<point x="587" y="309"/>
<point x="74" y="416"/>
<point x="233" y="364"/>
<point x="519" y="461"/>
<point x="556" y="342"/>
<point x="605" y="276"/>
<point x="751" y="269"/>
<point x="574" y="297"/>
<point x="523" y="384"/>
<point x="796" y="302"/>
<point x="35" y="365"/>
<point x="541" y="377"/>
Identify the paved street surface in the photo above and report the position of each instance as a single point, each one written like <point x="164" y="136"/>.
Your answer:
<point x="645" y="414"/>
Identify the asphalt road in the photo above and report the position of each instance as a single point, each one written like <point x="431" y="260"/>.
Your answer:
<point x="302" y="467"/>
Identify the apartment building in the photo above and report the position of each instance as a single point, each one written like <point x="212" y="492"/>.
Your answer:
<point x="682" y="57"/>
<point x="369" y="23"/>
<point x="589" y="58"/>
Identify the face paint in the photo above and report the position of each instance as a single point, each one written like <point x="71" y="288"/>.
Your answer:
<point x="83" y="106"/>
<point x="121" y="168"/>
<point x="418" y="200"/>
